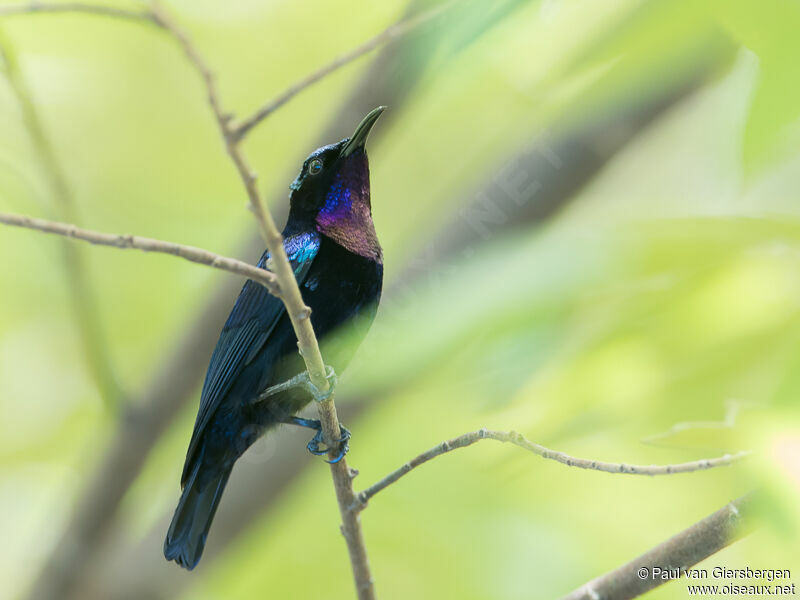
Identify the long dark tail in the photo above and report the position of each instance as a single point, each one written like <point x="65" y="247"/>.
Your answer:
<point x="187" y="533"/>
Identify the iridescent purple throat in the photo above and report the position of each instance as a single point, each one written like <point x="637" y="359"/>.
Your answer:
<point x="346" y="216"/>
<point x="338" y="205"/>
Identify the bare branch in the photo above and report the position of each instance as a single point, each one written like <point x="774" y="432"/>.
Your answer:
<point x="32" y="8"/>
<point x="190" y="253"/>
<point x="389" y="34"/>
<point x="677" y="554"/>
<point x="512" y="437"/>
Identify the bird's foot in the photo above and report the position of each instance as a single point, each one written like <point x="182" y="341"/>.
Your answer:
<point x="342" y="443"/>
<point x="314" y="446"/>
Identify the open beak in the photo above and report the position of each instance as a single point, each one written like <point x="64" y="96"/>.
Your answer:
<point x="359" y="138"/>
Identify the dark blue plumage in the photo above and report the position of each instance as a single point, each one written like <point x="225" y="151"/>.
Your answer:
<point x="331" y="242"/>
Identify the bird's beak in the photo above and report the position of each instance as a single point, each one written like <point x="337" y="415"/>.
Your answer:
<point x="359" y="138"/>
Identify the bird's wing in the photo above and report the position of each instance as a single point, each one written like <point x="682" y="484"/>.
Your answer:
<point x="247" y="329"/>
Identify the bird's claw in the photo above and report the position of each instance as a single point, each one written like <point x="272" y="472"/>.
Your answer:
<point x="314" y="445"/>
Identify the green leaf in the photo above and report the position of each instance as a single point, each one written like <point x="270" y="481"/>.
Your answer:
<point x="770" y="30"/>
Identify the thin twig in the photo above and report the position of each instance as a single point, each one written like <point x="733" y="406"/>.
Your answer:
<point x="256" y="204"/>
<point x="673" y="556"/>
<point x="76" y="275"/>
<point x="732" y="409"/>
<point x="190" y="253"/>
<point x="30" y="8"/>
<point x="393" y="32"/>
<point x="512" y="437"/>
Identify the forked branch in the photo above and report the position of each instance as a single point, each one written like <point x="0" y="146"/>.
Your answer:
<point x="389" y="34"/>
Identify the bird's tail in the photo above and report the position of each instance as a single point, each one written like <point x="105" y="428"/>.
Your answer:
<point x="187" y="533"/>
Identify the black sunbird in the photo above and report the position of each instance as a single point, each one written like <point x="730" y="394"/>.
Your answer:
<point x="331" y="242"/>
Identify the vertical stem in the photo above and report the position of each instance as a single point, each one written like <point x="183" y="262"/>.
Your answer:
<point x="299" y="313"/>
<point x="351" y="529"/>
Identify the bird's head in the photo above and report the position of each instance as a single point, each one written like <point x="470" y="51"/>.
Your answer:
<point x="332" y="192"/>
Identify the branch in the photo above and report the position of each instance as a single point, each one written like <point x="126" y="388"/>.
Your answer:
<point x="389" y="34"/>
<point x="190" y="253"/>
<point x="732" y="408"/>
<point x="512" y="437"/>
<point x="75" y="7"/>
<point x="677" y="554"/>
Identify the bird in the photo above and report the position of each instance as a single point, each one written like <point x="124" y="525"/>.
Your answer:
<point x="333" y="249"/>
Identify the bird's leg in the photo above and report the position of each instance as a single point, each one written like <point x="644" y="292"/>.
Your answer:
<point x="303" y="380"/>
<point x="330" y="375"/>
<point x="314" y="445"/>
<point x="299" y="380"/>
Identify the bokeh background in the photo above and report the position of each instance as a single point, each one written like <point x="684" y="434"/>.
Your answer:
<point x="590" y="217"/>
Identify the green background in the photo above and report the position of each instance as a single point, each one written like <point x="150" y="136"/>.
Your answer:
<point x="665" y="290"/>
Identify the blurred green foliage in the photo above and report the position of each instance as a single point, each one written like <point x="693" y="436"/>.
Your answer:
<point x="666" y="290"/>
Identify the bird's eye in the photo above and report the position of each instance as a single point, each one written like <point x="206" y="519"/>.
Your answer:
<point x="315" y="166"/>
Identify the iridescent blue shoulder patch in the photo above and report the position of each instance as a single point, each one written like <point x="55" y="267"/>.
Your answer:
<point x="301" y="248"/>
